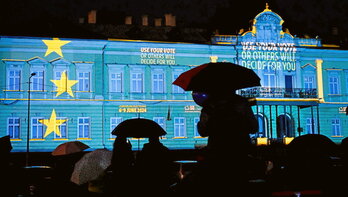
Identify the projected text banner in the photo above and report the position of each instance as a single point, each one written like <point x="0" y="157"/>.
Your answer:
<point x="268" y="55"/>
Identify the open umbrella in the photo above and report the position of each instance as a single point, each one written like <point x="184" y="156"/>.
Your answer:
<point x="91" y="166"/>
<point x="138" y="128"/>
<point x="220" y="76"/>
<point x="69" y="148"/>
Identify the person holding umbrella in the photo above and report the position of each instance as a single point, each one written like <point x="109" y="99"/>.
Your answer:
<point x="227" y="120"/>
<point x="152" y="169"/>
<point x="122" y="166"/>
<point x="155" y="168"/>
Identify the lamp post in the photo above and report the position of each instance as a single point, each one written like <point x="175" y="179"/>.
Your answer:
<point x="28" y="129"/>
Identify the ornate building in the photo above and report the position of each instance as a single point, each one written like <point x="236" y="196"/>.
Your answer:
<point x="82" y="88"/>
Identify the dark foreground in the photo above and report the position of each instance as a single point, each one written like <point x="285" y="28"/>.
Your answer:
<point x="273" y="172"/>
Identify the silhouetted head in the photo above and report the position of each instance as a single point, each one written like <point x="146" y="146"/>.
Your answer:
<point x="201" y="98"/>
<point x="154" y="139"/>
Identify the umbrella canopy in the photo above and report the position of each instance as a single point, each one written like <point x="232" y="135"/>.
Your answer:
<point x="91" y="166"/>
<point x="69" y="148"/>
<point x="221" y="76"/>
<point x="138" y="128"/>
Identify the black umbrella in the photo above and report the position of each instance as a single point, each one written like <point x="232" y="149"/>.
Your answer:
<point x="138" y="128"/>
<point x="221" y="76"/>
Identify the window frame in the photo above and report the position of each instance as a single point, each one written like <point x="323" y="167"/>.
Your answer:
<point x="138" y="82"/>
<point x="39" y="126"/>
<point x="179" y="127"/>
<point x="336" y="127"/>
<point x="83" y="124"/>
<point x="64" y="124"/>
<point x="114" y="125"/>
<point x="16" y="133"/>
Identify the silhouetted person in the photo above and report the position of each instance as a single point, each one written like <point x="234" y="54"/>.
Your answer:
<point x="309" y="165"/>
<point x="227" y="119"/>
<point x="122" y="168"/>
<point x="155" y="168"/>
<point x="63" y="168"/>
<point x="6" y="181"/>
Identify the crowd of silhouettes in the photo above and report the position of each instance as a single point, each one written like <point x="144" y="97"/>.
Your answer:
<point x="312" y="163"/>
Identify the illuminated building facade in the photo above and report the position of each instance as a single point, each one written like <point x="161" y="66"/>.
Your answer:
<point x="83" y="88"/>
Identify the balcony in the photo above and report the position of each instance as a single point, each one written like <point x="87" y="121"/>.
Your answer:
<point x="266" y="92"/>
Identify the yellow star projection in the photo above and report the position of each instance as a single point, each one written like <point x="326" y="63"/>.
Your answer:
<point x="52" y="124"/>
<point x="54" y="46"/>
<point x="64" y="85"/>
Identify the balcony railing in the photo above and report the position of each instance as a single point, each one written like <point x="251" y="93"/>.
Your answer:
<point x="265" y="92"/>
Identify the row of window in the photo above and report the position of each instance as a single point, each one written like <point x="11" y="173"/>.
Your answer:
<point x="137" y="81"/>
<point x="285" y="126"/>
<point x="116" y="81"/>
<point x="84" y="127"/>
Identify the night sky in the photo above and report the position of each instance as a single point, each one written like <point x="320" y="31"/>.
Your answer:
<point x="54" y="17"/>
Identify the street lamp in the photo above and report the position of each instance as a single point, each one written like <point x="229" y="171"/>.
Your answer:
<point x="28" y="129"/>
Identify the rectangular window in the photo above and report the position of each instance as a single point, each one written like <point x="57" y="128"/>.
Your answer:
<point x="336" y="127"/>
<point x="160" y="121"/>
<point x="269" y="79"/>
<point x="158" y="82"/>
<point x="56" y="76"/>
<point x="176" y="89"/>
<point x="195" y="122"/>
<point x="310" y="126"/>
<point x="84" y="81"/>
<point x="116" y="82"/>
<point x="36" y="128"/>
<point x="309" y="82"/>
<point x="83" y="127"/>
<point x="14" y="80"/>
<point x="13" y="127"/>
<point x="179" y="127"/>
<point x="63" y="128"/>
<point x="114" y="121"/>
<point x="137" y="82"/>
<point x="334" y="86"/>
<point x="38" y="81"/>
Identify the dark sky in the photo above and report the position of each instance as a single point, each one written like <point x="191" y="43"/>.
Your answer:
<point x="310" y="17"/>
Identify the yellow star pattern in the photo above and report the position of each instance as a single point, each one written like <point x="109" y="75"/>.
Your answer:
<point x="52" y="124"/>
<point x="54" y="46"/>
<point x="64" y="85"/>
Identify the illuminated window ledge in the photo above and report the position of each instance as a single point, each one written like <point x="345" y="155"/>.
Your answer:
<point x="25" y="90"/>
<point x="83" y="139"/>
<point x="179" y="137"/>
<point x="37" y="140"/>
<point x="337" y="136"/>
<point x="199" y="137"/>
<point x="60" y="139"/>
<point x="133" y="138"/>
<point x="15" y="90"/>
<point x="15" y="140"/>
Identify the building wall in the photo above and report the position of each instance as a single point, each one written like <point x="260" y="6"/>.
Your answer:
<point x="304" y="86"/>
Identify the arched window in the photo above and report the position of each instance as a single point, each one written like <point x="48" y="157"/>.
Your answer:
<point x="261" y="119"/>
<point x="285" y="126"/>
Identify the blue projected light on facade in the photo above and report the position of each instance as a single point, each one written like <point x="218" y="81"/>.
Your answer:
<point x="83" y="89"/>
